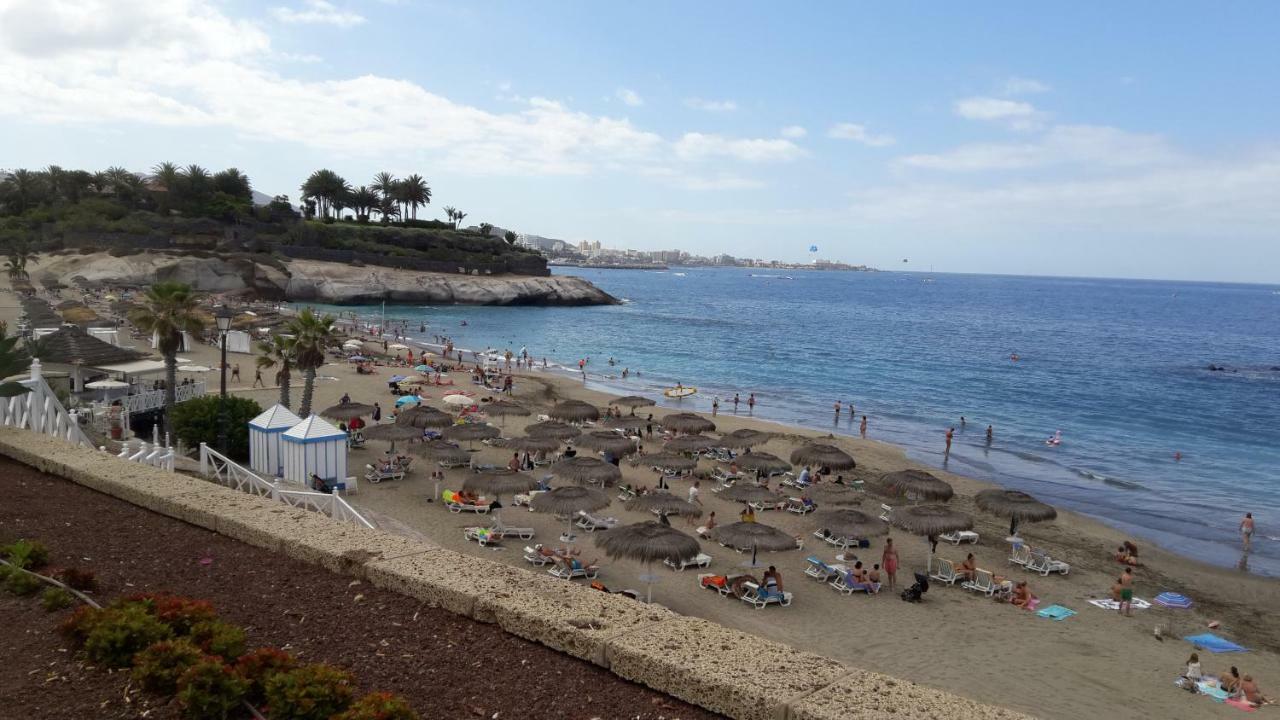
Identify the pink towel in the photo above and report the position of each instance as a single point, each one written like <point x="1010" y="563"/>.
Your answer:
<point x="1242" y="704"/>
<point x="1033" y="603"/>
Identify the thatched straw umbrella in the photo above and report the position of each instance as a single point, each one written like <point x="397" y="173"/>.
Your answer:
<point x="664" y="503"/>
<point x="762" y="462"/>
<point x="471" y="432"/>
<point x="823" y="456"/>
<point x="574" y="411"/>
<point x="1015" y="505"/>
<point x="589" y="470"/>
<point x="633" y="402"/>
<point x="753" y="536"/>
<point x="528" y="444"/>
<point x="553" y="429"/>
<point x="833" y="494"/>
<point x="648" y="542"/>
<point x="346" y="411"/>
<point x="687" y="423"/>
<point x="502" y="409"/>
<point x="441" y="450"/>
<point x="851" y="524"/>
<point x="670" y="461"/>
<point x="690" y="443"/>
<point x="917" y="485"/>
<point x="391" y="432"/>
<point x="749" y="493"/>
<point x="569" y="500"/>
<point x="743" y="438"/>
<point x="627" y="422"/>
<point x="498" y="482"/>
<point x="424" y="417"/>
<point x="931" y="521"/>
<point x="606" y="441"/>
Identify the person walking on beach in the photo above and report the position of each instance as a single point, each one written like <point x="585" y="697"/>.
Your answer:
<point x="990" y="434"/>
<point x="950" y="432"/>
<point x="1246" y="531"/>
<point x="257" y="378"/>
<point x="235" y="372"/>
<point x="837" y="408"/>
<point x="751" y="404"/>
<point x="889" y="560"/>
<point x="694" y="489"/>
<point x="863" y="427"/>
<point x="715" y="407"/>
<point x="648" y="425"/>
<point x="377" y="412"/>
<point x="735" y="403"/>
<point x="1126" y="593"/>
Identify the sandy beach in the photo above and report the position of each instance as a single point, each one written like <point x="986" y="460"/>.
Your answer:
<point x="1096" y="662"/>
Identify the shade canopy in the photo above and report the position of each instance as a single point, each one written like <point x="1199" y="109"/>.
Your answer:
<point x="931" y="520"/>
<point x="424" y="417"/>
<point x="750" y="535"/>
<point x="441" y="450"/>
<point x="690" y="443"/>
<point x="458" y="400"/>
<point x="648" y="542"/>
<point x="502" y="407"/>
<point x="833" y="494"/>
<point x="851" y="524"/>
<point x="606" y="441"/>
<point x="917" y="484"/>
<point x="587" y="470"/>
<point x="277" y="417"/>
<point x="392" y="432"/>
<point x="569" y="500"/>
<point x="632" y="401"/>
<point x="347" y="411"/>
<point x="498" y="482"/>
<point x="743" y="438"/>
<point x="762" y="462"/>
<point x="471" y="431"/>
<point x="1015" y="505"/>
<point x="670" y="461"/>
<point x="574" y="411"/>
<point x="664" y="503"/>
<point x="554" y="429"/>
<point x="106" y="385"/>
<point x="626" y="422"/>
<point x="750" y="493"/>
<point x="823" y="456"/>
<point x="528" y="444"/>
<point x="687" y="423"/>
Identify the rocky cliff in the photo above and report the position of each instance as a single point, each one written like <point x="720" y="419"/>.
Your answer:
<point x="316" y="281"/>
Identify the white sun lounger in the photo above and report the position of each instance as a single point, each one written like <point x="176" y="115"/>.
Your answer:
<point x="534" y="557"/>
<point x="1043" y="564"/>
<point x="482" y="535"/>
<point x="582" y="571"/>
<point x="818" y="570"/>
<point x="946" y="572"/>
<point x="524" y="533"/>
<point x="844" y="583"/>
<point x="886" y="513"/>
<point x="456" y="507"/>
<point x="797" y="506"/>
<point x="760" y="598"/>
<point x="700" y="561"/>
<point x="590" y="523"/>
<point x="375" y="475"/>
<point x="1020" y="555"/>
<point x="982" y="582"/>
<point x="955" y="538"/>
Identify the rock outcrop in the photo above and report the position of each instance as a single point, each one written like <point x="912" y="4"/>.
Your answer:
<point x="322" y="282"/>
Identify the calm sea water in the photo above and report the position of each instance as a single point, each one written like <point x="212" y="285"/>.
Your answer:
<point x="1119" y="366"/>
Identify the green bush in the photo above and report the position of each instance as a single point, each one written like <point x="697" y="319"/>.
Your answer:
<point x="158" y="667"/>
<point x="179" y="613"/>
<point x="259" y="665"/>
<point x="121" y="632"/>
<point x="23" y="584"/>
<point x="55" y="598"/>
<point x="77" y="627"/>
<point x="379" y="706"/>
<point x="211" y="690"/>
<point x="197" y="421"/>
<point x="218" y="638"/>
<point x="27" y="554"/>
<point x="311" y="692"/>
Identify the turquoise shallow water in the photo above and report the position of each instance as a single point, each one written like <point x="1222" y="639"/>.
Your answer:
<point x="1121" y="367"/>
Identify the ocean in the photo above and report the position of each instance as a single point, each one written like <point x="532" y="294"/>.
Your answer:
<point x="1120" y="367"/>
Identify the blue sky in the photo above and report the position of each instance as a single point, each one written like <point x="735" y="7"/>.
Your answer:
<point x="1137" y="140"/>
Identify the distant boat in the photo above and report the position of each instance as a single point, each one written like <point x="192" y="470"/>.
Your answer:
<point x="679" y="274"/>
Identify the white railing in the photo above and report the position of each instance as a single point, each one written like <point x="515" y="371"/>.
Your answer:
<point x="150" y="453"/>
<point x="154" y="399"/>
<point x="40" y="410"/>
<point x="226" y="471"/>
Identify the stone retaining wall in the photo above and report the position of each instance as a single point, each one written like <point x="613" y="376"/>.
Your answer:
<point x="724" y="670"/>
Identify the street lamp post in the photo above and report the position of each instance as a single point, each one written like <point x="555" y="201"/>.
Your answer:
<point x="223" y="317"/>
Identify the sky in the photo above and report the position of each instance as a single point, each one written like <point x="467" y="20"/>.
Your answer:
<point x="1093" y="139"/>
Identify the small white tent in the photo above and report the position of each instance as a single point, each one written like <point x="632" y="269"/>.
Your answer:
<point x="314" y="446"/>
<point x="187" y="341"/>
<point x="265" y="452"/>
<point x="238" y="341"/>
<point x="107" y="335"/>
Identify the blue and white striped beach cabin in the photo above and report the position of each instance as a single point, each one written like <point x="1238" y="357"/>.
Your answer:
<point x="314" y="446"/>
<point x="265" y="453"/>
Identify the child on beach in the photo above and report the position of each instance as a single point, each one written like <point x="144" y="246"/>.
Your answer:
<point x="890" y="560"/>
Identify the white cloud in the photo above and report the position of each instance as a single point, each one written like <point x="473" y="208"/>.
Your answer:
<point x="1091" y="146"/>
<point x="1024" y="86"/>
<point x="794" y="132"/>
<point x="629" y="97"/>
<point x="711" y="105"/>
<point x="858" y="133"/>
<point x="318" y="12"/>
<point x="701" y="146"/>
<point x="986" y="108"/>
<point x="722" y="181"/>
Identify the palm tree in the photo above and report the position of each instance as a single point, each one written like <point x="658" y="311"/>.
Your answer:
<point x="279" y="351"/>
<point x="196" y="182"/>
<point x="326" y="188"/>
<point x="25" y="188"/>
<point x="19" y="255"/>
<point x="485" y="229"/>
<point x="457" y="218"/>
<point x="168" y="310"/>
<point x="385" y="183"/>
<point x="510" y="237"/>
<point x="364" y="201"/>
<point x="234" y="183"/>
<point x="313" y="335"/>
<point x="166" y="177"/>
<point x="414" y="191"/>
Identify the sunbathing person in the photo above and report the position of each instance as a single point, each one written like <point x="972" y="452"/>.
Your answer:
<point x="968" y="569"/>
<point x="709" y="526"/>
<point x="1022" y="596"/>
<point x="1125" y="557"/>
<point x="858" y="574"/>
<point x="748" y="514"/>
<point x="772" y="580"/>
<point x="1251" y="692"/>
<point x="1230" y="681"/>
<point x="874" y="576"/>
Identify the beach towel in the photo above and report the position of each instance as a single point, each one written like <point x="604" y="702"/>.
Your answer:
<point x="1056" y="612"/>
<point x="1213" y="643"/>
<point x="1217" y="694"/>
<point x="1109" y="604"/>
